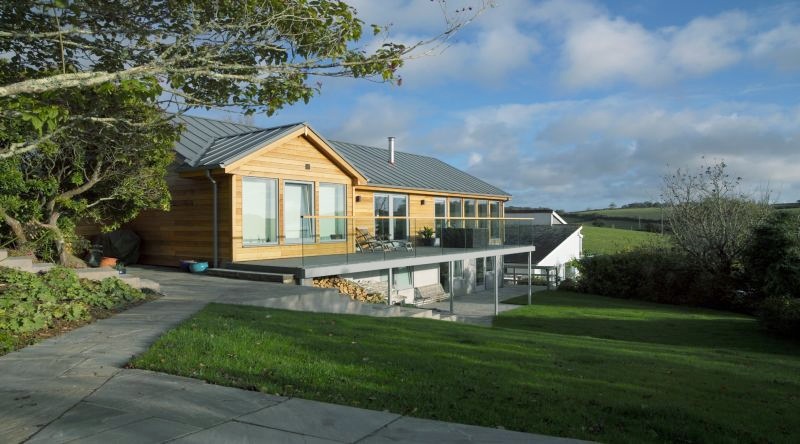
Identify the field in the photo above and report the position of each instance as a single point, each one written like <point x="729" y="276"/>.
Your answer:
<point x="601" y="240"/>
<point x="573" y="365"/>
<point x="651" y="213"/>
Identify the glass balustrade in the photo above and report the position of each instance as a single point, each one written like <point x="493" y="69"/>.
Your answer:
<point x="335" y="240"/>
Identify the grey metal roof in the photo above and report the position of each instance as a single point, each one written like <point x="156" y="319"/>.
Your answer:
<point x="200" y="132"/>
<point x="225" y="150"/>
<point x="546" y="238"/>
<point x="210" y="143"/>
<point x="411" y="171"/>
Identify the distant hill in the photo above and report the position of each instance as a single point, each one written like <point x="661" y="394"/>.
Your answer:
<point x="642" y="219"/>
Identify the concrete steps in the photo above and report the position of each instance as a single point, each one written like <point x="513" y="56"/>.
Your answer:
<point x="25" y="263"/>
<point x="251" y="275"/>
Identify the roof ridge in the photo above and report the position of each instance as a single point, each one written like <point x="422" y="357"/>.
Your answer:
<point x="387" y="149"/>
<point x="260" y="130"/>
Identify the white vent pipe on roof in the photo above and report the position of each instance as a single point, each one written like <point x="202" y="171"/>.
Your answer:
<point x="391" y="149"/>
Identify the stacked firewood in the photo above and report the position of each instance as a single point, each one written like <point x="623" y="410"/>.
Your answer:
<point x="350" y="288"/>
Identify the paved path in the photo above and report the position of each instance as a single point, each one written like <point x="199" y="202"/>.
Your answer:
<point x="74" y="388"/>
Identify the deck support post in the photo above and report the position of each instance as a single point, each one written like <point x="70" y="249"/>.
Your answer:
<point x="496" y="285"/>
<point x="389" y="295"/>
<point x="530" y="278"/>
<point x="450" y="284"/>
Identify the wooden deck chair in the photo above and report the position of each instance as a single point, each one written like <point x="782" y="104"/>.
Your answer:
<point x="367" y="242"/>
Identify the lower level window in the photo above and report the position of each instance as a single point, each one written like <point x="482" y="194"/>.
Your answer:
<point x="458" y="269"/>
<point x="259" y="211"/>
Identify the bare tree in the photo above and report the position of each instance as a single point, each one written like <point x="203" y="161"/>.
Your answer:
<point x="710" y="217"/>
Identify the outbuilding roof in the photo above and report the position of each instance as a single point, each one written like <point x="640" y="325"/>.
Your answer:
<point x="208" y="143"/>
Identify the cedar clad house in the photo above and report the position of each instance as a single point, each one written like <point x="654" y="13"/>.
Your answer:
<point x="286" y="199"/>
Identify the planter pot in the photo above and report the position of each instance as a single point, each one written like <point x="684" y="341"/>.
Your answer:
<point x="427" y="242"/>
<point x="184" y="265"/>
<point x="198" y="267"/>
<point x="108" y="262"/>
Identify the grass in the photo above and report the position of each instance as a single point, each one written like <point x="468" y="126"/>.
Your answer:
<point x="601" y="240"/>
<point x="571" y="365"/>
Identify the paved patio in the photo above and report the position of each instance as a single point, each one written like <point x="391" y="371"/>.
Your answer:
<point x="74" y="388"/>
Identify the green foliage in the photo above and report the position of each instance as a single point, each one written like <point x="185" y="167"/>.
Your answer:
<point x="772" y="265"/>
<point x="658" y="275"/>
<point x="256" y="55"/>
<point x="772" y="259"/>
<point x="31" y="302"/>
<point x="781" y="315"/>
<point x="108" y="167"/>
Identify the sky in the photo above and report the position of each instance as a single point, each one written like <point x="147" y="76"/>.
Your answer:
<point x="576" y="104"/>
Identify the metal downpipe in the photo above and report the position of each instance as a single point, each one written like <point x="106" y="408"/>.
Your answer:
<point x="214" y="218"/>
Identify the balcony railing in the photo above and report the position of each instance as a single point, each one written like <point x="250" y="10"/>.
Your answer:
<point x="354" y="239"/>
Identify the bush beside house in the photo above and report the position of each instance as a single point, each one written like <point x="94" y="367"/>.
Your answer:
<point x="32" y="303"/>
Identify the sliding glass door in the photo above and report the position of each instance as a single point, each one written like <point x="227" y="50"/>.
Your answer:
<point x="393" y="212"/>
<point x="298" y="200"/>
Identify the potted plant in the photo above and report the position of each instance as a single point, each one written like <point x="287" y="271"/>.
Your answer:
<point x="426" y="236"/>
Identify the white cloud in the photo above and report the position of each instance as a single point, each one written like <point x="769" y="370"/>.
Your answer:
<point x="601" y="51"/>
<point x="372" y="119"/>
<point x="578" y="154"/>
<point x="706" y="44"/>
<point x="779" y="46"/>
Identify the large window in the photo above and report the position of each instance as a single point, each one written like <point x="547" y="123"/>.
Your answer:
<point x="332" y="203"/>
<point x="469" y="211"/>
<point x="480" y="271"/>
<point x="298" y="201"/>
<point x="391" y="211"/>
<point x="259" y="211"/>
<point x="494" y="212"/>
<point x="455" y="213"/>
<point x="483" y="211"/>
<point x="440" y="213"/>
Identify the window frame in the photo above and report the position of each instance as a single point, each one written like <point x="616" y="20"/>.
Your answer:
<point x="344" y="212"/>
<point x="313" y="236"/>
<point x="275" y="208"/>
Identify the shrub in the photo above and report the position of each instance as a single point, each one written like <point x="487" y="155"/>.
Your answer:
<point x="781" y="315"/>
<point x="657" y="275"/>
<point x="31" y="302"/>
<point x="569" y="284"/>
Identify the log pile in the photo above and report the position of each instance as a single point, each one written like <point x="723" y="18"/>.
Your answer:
<point x="350" y="288"/>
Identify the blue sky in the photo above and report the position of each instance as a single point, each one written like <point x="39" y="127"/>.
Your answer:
<point x="576" y="104"/>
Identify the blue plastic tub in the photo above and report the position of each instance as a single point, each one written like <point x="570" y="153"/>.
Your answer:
<point x="198" y="267"/>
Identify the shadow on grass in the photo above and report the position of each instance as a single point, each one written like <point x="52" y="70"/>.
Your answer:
<point x="712" y="333"/>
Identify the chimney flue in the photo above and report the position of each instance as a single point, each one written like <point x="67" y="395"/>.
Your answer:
<point x="391" y="150"/>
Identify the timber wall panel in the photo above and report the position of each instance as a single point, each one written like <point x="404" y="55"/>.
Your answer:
<point x="287" y="163"/>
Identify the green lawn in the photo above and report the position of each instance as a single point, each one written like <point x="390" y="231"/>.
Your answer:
<point x="601" y="240"/>
<point x="572" y="365"/>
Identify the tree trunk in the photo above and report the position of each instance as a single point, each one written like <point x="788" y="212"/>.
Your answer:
<point x="17" y="229"/>
<point x="65" y="257"/>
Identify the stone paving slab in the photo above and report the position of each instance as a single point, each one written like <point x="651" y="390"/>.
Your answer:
<point x="174" y="398"/>
<point x="323" y="420"/>
<point x="236" y="432"/>
<point x="416" y="430"/>
<point x="148" y="430"/>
